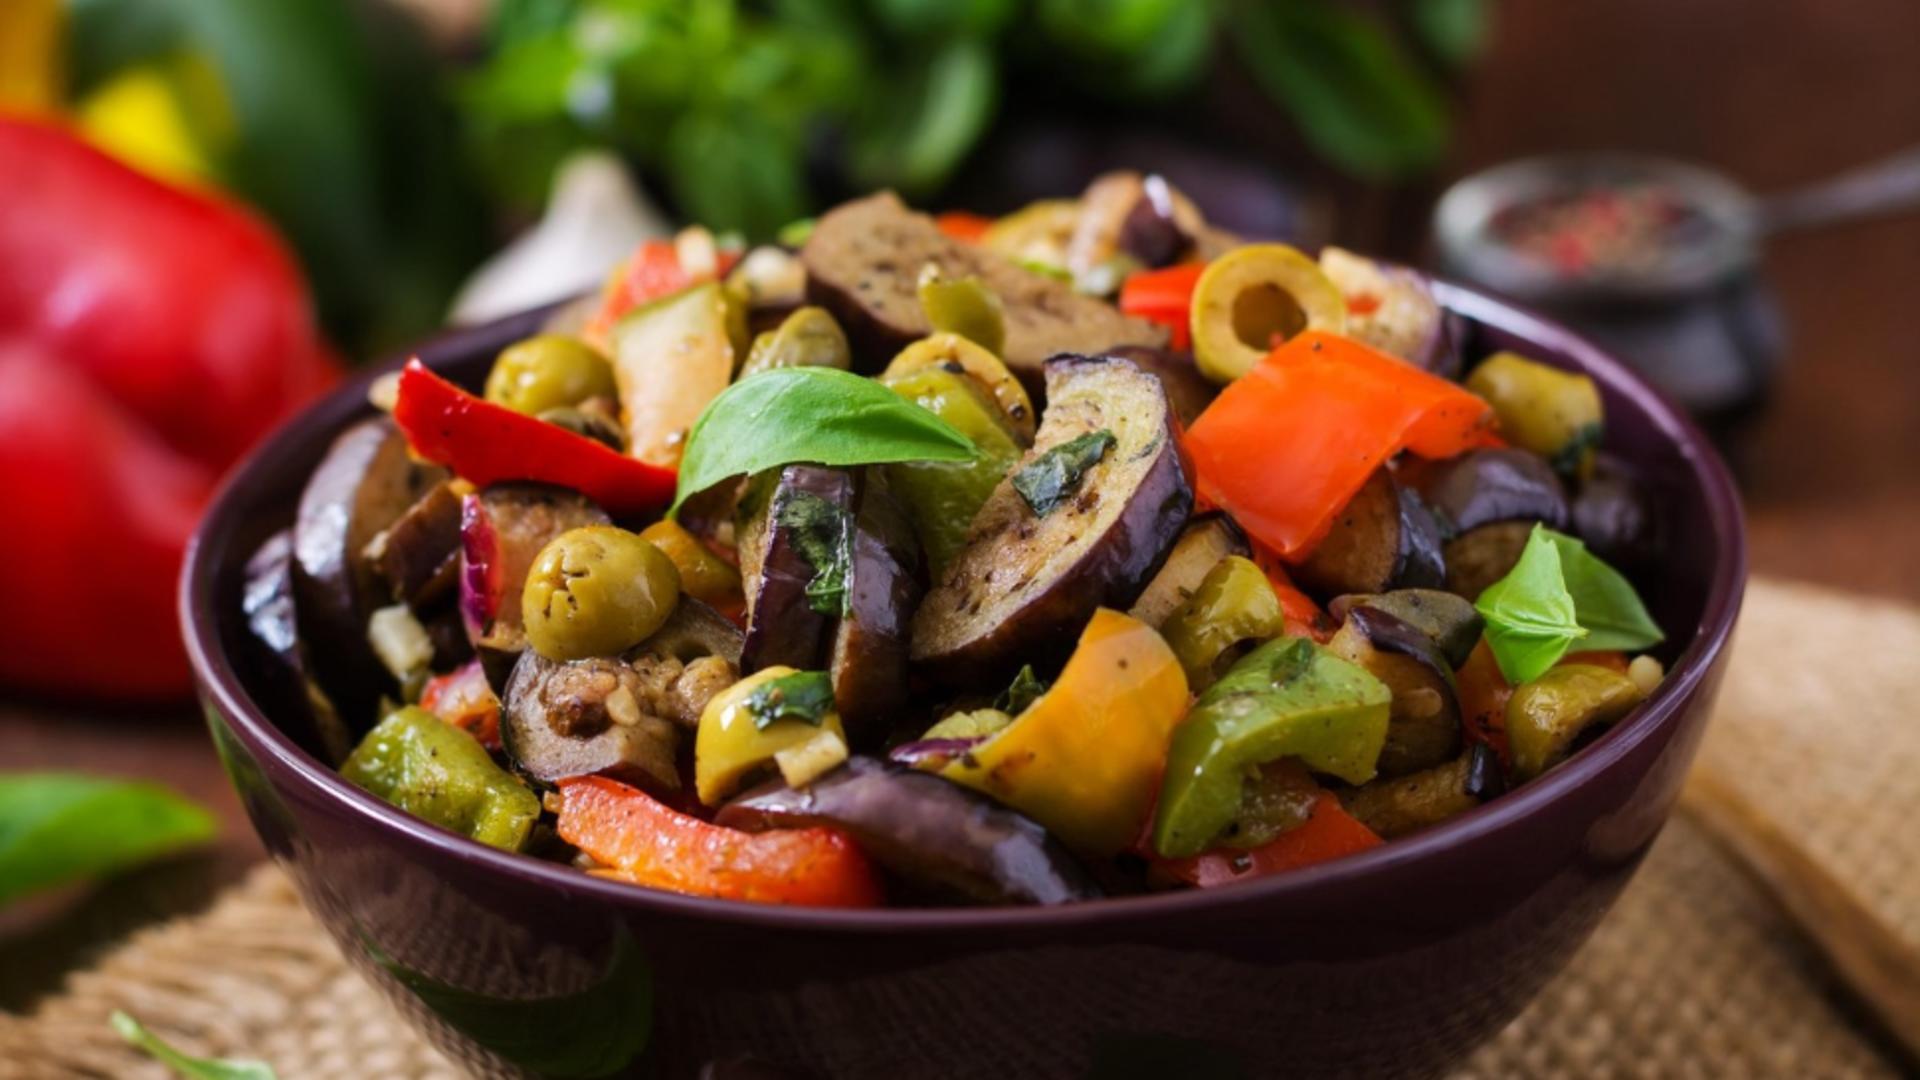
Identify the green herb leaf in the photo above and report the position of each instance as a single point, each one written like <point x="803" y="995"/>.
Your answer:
<point x="1025" y="689"/>
<point x="803" y="695"/>
<point x="820" y="415"/>
<point x="192" y="1068"/>
<point x="923" y="124"/>
<point x="1530" y="614"/>
<point x="1055" y="476"/>
<point x="824" y="534"/>
<point x="58" y="827"/>
<point x="1291" y="662"/>
<point x="1604" y="603"/>
<point x="1358" y="98"/>
<point x="1455" y="30"/>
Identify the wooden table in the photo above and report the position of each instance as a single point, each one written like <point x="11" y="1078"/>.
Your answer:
<point x="1774" y="94"/>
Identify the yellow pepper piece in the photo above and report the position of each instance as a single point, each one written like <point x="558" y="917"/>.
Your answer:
<point x="32" y="48"/>
<point x="730" y="744"/>
<point x="1084" y="760"/>
<point x="168" y="119"/>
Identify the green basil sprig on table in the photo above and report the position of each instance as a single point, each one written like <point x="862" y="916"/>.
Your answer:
<point x="192" y="1068"/>
<point x="57" y="828"/>
<point x="1557" y="594"/>
<point x="823" y="416"/>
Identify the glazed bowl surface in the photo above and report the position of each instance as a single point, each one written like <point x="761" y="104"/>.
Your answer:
<point x="1397" y="961"/>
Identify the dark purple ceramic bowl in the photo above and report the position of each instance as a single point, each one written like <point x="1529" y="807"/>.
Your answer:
<point x="1397" y="961"/>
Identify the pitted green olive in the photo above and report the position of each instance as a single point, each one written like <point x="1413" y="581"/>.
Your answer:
<point x="965" y="307"/>
<point x="548" y="372"/>
<point x="1546" y="716"/>
<point x="1253" y="298"/>
<point x="807" y="338"/>
<point x="953" y="353"/>
<point x="597" y="591"/>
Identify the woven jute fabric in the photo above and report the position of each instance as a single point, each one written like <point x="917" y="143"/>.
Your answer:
<point x="1696" y="973"/>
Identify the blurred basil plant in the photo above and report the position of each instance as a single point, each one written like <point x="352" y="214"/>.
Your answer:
<point x="741" y="107"/>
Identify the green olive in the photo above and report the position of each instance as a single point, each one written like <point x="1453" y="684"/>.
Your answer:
<point x="548" y="372"/>
<point x="1253" y="298"/>
<point x="807" y="338"/>
<point x="1547" y="715"/>
<point x="951" y="352"/>
<point x="1553" y="413"/>
<point x="965" y="307"/>
<point x="597" y="591"/>
<point x="1234" y="604"/>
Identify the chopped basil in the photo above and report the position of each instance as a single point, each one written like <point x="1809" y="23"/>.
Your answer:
<point x="1567" y="458"/>
<point x="823" y="532"/>
<point x="1055" y="476"/>
<point x="1025" y="689"/>
<point x="803" y="695"/>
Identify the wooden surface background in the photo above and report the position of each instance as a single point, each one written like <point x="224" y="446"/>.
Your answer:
<point x="1773" y="93"/>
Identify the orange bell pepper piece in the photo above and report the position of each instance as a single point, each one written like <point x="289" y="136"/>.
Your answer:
<point x="1328" y="833"/>
<point x="1483" y="692"/>
<point x="649" y="844"/>
<point x="962" y="226"/>
<point x="1303" y="617"/>
<point x="1164" y="297"/>
<point x="651" y="272"/>
<point x="1285" y="446"/>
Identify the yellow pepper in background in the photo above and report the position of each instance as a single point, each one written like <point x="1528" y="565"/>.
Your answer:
<point x="32" y="72"/>
<point x="1084" y="760"/>
<point x="170" y="118"/>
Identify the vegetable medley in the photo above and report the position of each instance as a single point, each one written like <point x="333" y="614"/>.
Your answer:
<point x="1089" y="550"/>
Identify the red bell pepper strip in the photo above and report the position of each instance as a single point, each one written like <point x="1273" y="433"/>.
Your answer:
<point x="1285" y="446"/>
<point x="648" y="844"/>
<point x="462" y="697"/>
<point x="1328" y="833"/>
<point x="651" y="272"/>
<point x="487" y="443"/>
<point x="962" y="226"/>
<point x="1164" y="297"/>
<point x="148" y="336"/>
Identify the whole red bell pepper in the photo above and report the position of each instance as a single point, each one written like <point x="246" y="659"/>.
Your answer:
<point x="148" y="336"/>
<point x="487" y="443"/>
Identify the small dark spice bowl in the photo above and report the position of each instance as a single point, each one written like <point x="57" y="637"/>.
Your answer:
<point x="1395" y="961"/>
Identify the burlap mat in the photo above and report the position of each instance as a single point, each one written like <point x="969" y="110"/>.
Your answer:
<point x="1694" y="973"/>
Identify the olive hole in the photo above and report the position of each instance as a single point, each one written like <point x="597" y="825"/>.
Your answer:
<point x="1264" y="314"/>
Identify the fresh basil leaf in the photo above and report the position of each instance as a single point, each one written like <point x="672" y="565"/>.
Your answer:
<point x="59" y="827"/>
<point x="1055" y="476"/>
<point x="803" y="695"/>
<point x="824" y="534"/>
<point x="1604" y="602"/>
<point x="820" y="415"/>
<point x="192" y="1068"/>
<point x="1291" y="662"/>
<point x="1530" y="614"/>
<point x="1025" y="689"/>
<point x="1358" y="98"/>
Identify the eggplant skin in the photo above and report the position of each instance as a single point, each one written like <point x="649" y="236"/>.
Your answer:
<point x="555" y="723"/>
<point x="267" y="601"/>
<point x="1482" y="487"/>
<point x="885" y="582"/>
<point x="1385" y="538"/>
<point x="782" y="628"/>
<point x="931" y="832"/>
<point x="863" y="260"/>
<point x="1023" y="586"/>
<point x="363" y="484"/>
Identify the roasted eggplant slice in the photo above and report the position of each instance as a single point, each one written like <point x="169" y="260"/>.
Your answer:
<point x="1210" y="538"/>
<point x="1482" y="487"/>
<point x="1613" y="516"/>
<point x="502" y="530"/>
<point x="694" y="630"/>
<point x="885" y="581"/>
<point x="577" y="718"/>
<point x="1027" y="581"/>
<point x="794" y="545"/>
<point x="1393" y="309"/>
<point x="1385" y="538"/>
<point x="863" y="262"/>
<point x="934" y="834"/>
<point x="1188" y="391"/>
<point x="267" y="601"/>
<point x="418" y="556"/>
<point x="1403" y="805"/>
<point x="1479" y="558"/>
<point x="366" y="481"/>
<point x="1448" y="619"/>
<point x="1423" y="728"/>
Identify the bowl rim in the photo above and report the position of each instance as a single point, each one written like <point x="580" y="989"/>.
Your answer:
<point x="221" y="688"/>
